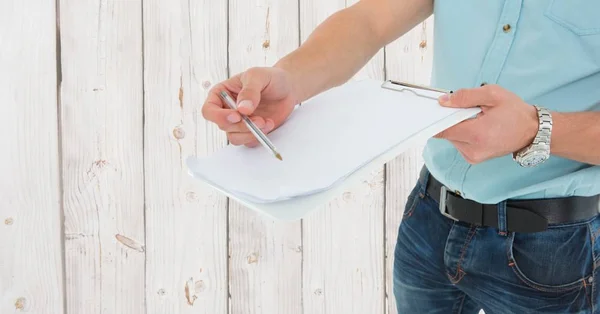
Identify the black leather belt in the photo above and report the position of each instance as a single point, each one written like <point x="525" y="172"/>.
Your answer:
<point x="524" y="216"/>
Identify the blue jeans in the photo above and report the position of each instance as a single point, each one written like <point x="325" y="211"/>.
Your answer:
<point x="442" y="266"/>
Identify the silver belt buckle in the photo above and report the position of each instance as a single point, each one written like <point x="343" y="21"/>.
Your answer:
<point x="443" y="194"/>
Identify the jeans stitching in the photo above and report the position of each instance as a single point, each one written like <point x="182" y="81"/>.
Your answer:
<point x="512" y="264"/>
<point x="550" y="290"/>
<point x="455" y="279"/>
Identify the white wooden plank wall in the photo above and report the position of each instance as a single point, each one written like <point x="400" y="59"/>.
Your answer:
<point x="31" y="267"/>
<point x="265" y="256"/>
<point x="100" y="106"/>
<point x="102" y="156"/>
<point x="185" y="51"/>
<point x="343" y="241"/>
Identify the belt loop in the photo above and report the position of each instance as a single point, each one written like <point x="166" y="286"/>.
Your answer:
<point x="502" y="230"/>
<point x="423" y="180"/>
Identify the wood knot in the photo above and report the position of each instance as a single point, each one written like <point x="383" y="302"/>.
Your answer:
<point x="253" y="258"/>
<point x="100" y="163"/>
<point x="347" y="196"/>
<point x="423" y="44"/>
<point x="8" y="221"/>
<point x="266" y="44"/>
<point x="179" y="133"/>
<point x="191" y="196"/>
<point x="130" y="243"/>
<point x="206" y="84"/>
<point x="161" y="292"/>
<point x="318" y="292"/>
<point x="190" y="295"/>
<point x="20" y="303"/>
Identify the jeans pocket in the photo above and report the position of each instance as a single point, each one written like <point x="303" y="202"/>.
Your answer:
<point x="557" y="260"/>
<point x="578" y="16"/>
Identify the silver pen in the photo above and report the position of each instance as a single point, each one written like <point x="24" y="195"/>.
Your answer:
<point x="260" y="136"/>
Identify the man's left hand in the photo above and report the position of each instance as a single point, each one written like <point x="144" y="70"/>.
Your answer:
<point x="505" y="125"/>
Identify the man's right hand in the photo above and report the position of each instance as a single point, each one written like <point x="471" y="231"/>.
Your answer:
<point x="263" y="94"/>
<point x="338" y="48"/>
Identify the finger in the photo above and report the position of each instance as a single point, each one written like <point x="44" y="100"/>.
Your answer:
<point x="215" y="110"/>
<point x="253" y="82"/>
<point x="241" y="138"/>
<point x="472" y="97"/>
<point x="247" y="138"/>
<point x="220" y="116"/>
<point x="242" y="127"/>
<point x="465" y="132"/>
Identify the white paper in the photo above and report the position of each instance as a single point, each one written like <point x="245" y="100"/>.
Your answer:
<point x="325" y="140"/>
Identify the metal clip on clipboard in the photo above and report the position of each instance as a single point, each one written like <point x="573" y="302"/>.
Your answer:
<point x="413" y="88"/>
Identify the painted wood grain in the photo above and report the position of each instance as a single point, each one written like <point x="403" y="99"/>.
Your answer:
<point x="102" y="155"/>
<point x="31" y="276"/>
<point x="134" y="75"/>
<point x="343" y="240"/>
<point x="408" y="58"/>
<point x="185" y="52"/>
<point x="265" y="255"/>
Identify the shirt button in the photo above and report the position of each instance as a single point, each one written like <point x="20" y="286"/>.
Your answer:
<point x="506" y="28"/>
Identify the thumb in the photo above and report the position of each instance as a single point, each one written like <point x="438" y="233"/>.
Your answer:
<point x="253" y="82"/>
<point x="467" y="98"/>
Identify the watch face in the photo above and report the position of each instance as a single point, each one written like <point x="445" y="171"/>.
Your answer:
<point x="534" y="159"/>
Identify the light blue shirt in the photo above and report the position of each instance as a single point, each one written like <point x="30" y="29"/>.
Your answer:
<point x="545" y="51"/>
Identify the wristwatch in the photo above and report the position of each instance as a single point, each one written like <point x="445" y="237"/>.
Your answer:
<point x="539" y="150"/>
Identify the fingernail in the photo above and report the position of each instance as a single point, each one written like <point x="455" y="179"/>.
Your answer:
<point x="269" y="125"/>
<point x="245" y="104"/>
<point x="233" y="118"/>
<point x="444" y="98"/>
<point x="259" y="123"/>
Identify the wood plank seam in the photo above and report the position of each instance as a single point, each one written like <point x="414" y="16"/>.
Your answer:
<point x="60" y="153"/>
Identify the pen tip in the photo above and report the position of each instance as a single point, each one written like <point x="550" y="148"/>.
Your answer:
<point x="278" y="156"/>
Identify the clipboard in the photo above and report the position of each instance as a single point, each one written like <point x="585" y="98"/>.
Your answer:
<point x="299" y="207"/>
<point x="416" y="89"/>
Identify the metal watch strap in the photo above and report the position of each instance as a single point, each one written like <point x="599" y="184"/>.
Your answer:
<point x="545" y="127"/>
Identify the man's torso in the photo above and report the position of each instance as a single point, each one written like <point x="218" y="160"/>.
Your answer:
<point x="547" y="52"/>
